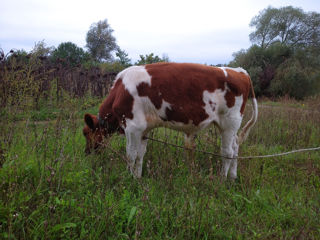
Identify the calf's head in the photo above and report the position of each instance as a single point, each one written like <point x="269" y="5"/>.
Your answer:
<point x="92" y="132"/>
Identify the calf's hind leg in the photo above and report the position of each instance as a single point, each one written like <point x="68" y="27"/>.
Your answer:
<point x="229" y="151"/>
<point x="234" y="162"/>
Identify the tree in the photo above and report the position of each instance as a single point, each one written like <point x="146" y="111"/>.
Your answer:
<point x="310" y="32"/>
<point x="285" y="57"/>
<point x="165" y="57"/>
<point x="70" y="54"/>
<point x="123" y="57"/>
<point x="151" y="58"/>
<point x="100" y="41"/>
<point x="40" y="49"/>
<point x="287" y="25"/>
<point x="265" y="31"/>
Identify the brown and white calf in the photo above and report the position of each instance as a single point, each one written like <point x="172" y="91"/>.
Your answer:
<point x="180" y="96"/>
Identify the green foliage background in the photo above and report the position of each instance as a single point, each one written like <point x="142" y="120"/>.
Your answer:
<point x="284" y="59"/>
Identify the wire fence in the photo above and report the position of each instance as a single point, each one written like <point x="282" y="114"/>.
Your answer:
<point x="239" y="157"/>
<point x="277" y="132"/>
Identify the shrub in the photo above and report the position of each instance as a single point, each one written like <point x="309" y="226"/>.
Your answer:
<point x="69" y="54"/>
<point x="293" y="80"/>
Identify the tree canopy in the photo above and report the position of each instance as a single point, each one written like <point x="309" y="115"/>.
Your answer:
<point x="287" y="25"/>
<point x="70" y="54"/>
<point x="150" y="58"/>
<point x="100" y="41"/>
<point x="285" y="56"/>
<point x="123" y="57"/>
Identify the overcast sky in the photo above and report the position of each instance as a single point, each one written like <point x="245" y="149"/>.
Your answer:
<point x="203" y="31"/>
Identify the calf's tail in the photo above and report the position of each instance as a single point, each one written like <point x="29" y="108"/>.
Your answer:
<point x="246" y="129"/>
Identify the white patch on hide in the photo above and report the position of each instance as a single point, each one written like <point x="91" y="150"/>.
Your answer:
<point x="162" y="110"/>
<point x="238" y="69"/>
<point x="133" y="76"/>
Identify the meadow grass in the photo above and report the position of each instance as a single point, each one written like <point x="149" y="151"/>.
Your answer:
<point x="49" y="189"/>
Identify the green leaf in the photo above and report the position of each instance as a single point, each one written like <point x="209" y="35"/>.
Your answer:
<point x="131" y="215"/>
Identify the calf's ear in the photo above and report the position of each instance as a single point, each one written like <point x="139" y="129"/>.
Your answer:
<point x="88" y="118"/>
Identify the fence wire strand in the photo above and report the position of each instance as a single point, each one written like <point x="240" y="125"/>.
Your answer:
<point x="246" y="157"/>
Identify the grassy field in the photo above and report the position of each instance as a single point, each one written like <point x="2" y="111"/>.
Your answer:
<point x="49" y="189"/>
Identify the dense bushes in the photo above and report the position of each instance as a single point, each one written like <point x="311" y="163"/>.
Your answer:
<point x="294" y="80"/>
<point x="25" y="79"/>
<point x="71" y="54"/>
<point x="280" y="70"/>
<point x="22" y="78"/>
<point x="285" y="57"/>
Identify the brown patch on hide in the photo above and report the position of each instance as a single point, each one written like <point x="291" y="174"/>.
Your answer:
<point x="238" y="84"/>
<point x="117" y="106"/>
<point x="182" y="85"/>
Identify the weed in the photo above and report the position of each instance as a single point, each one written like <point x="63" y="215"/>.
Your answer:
<point x="49" y="189"/>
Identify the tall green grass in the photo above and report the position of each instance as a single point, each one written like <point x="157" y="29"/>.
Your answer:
<point x="49" y="189"/>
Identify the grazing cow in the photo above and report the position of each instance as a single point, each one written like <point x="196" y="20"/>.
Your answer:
<point x="181" y="96"/>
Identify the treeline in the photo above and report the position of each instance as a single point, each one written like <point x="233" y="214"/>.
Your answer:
<point x="285" y="56"/>
<point x="283" y="60"/>
<point x="28" y="77"/>
<point x="40" y="74"/>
